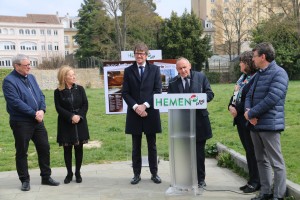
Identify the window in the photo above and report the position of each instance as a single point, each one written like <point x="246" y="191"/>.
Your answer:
<point x="42" y="32"/>
<point x="226" y="10"/>
<point x="21" y="32"/>
<point x="11" y="31"/>
<point x="10" y="46"/>
<point x="249" y="10"/>
<point x="212" y="1"/>
<point x="48" y="32"/>
<point x="27" y="32"/>
<point x="213" y="12"/>
<point x="28" y="46"/>
<point x="237" y="10"/>
<point x="55" y="32"/>
<point x="33" y="63"/>
<point x="66" y="52"/>
<point x="66" y="39"/>
<point x="56" y="47"/>
<point x="0" y="31"/>
<point x="5" y="62"/>
<point x="5" y="31"/>
<point x="226" y="1"/>
<point x="33" y="32"/>
<point x="249" y="21"/>
<point x="50" y="47"/>
<point x="43" y="47"/>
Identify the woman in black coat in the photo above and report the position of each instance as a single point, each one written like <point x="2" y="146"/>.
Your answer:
<point x="72" y="130"/>
<point x="236" y="109"/>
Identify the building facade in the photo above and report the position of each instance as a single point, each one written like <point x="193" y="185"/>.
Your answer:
<point x="70" y="31"/>
<point x="38" y="36"/>
<point x="229" y="22"/>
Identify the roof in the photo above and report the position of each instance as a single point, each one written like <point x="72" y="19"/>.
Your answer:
<point x="31" y="19"/>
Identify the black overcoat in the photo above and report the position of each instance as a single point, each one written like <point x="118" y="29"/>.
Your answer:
<point x="198" y="84"/>
<point x="69" y="102"/>
<point x="137" y="91"/>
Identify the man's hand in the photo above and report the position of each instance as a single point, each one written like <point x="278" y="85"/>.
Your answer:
<point x="39" y="115"/>
<point x="252" y="121"/>
<point x="140" y="109"/>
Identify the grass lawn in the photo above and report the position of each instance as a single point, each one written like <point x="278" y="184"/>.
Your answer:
<point x="115" y="145"/>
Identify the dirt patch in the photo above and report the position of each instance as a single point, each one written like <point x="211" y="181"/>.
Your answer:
<point x="93" y="144"/>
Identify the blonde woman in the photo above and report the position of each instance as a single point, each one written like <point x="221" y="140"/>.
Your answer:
<point x="72" y="130"/>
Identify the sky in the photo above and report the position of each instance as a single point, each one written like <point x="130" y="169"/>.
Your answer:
<point x="23" y="7"/>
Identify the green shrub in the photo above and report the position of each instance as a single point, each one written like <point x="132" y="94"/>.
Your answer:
<point x="3" y="74"/>
<point x="211" y="151"/>
<point x="213" y="77"/>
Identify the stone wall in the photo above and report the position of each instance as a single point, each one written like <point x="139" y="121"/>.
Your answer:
<point x="88" y="78"/>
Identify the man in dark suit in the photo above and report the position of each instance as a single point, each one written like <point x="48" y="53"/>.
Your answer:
<point x="189" y="81"/>
<point x="141" y="81"/>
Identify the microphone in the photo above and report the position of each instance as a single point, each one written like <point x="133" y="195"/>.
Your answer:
<point x="174" y="79"/>
<point x="194" y="82"/>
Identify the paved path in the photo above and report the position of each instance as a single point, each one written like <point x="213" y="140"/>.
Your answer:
<point x="112" y="182"/>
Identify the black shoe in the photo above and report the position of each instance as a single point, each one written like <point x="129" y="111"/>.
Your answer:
<point x="243" y="187"/>
<point x="25" y="186"/>
<point x="249" y="188"/>
<point x="49" y="181"/>
<point x="78" y="178"/>
<point x="68" y="178"/>
<point x="135" y="180"/>
<point x="263" y="197"/>
<point x="155" y="178"/>
<point x="201" y="184"/>
<point x="277" y="198"/>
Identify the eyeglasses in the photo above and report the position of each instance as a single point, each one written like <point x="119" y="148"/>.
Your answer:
<point x="140" y="54"/>
<point x="256" y="56"/>
<point x="24" y="65"/>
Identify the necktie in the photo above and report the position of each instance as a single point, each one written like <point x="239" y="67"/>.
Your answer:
<point x="186" y="86"/>
<point x="142" y="71"/>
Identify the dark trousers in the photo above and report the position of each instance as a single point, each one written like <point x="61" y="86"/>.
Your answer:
<point x="200" y="151"/>
<point x="136" y="153"/>
<point x="78" y="158"/>
<point x="247" y="143"/>
<point x="24" y="132"/>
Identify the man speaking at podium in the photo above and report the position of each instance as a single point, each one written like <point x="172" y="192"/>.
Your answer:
<point x="189" y="81"/>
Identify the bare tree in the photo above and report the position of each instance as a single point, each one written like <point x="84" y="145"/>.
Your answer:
<point x="233" y="21"/>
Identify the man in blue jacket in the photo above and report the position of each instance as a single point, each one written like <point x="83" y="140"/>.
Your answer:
<point x="264" y="108"/>
<point x="26" y="106"/>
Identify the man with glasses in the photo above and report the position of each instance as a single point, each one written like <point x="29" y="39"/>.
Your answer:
<point x="264" y="109"/>
<point x="26" y="106"/>
<point x="141" y="81"/>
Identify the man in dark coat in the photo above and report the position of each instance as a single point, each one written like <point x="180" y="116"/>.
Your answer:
<point x="196" y="83"/>
<point x="141" y="81"/>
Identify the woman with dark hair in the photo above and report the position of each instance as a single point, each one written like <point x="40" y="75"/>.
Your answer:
<point x="236" y="109"/>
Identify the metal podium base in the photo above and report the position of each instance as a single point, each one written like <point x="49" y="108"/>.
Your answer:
<point x="174" y="191"/>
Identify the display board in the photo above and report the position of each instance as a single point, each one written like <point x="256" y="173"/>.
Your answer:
<point x="113" y="80"/>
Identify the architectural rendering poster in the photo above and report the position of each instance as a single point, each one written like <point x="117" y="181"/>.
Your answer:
<point x="113" y="79"/>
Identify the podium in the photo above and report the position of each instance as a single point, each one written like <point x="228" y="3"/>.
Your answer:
<point x="182" y="139"/>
